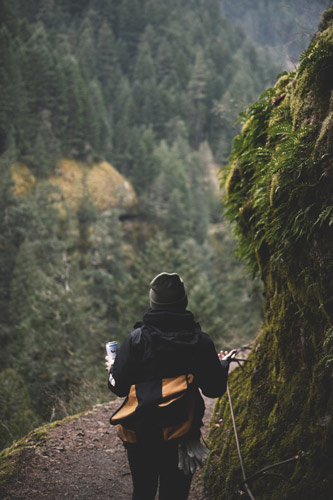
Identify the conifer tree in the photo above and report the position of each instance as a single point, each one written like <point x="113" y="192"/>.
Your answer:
<point x="54" y="328"/>
<point x="76" y="94"/>
<point x="145" y="93"/>
<point x="107" y="67"/>
<point x="131" y="23"/>
<point x="144" y="170"/>
<point x="87" y="48"/>
<point x="38" y="71"/>
<point x="46" y="12"/>
<point x="17" y="416"/>
<point x="106" y="268"/>
<point x="45" y="151"/>
<point x="197" y="93"/>
<point x="15" y="219"/>
<point x="123" y="118"/>
<point x="98" y="130"/>
<point x="13" y="98"/>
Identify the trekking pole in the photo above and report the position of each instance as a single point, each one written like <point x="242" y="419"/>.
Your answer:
<point x="246" y="480"/>
<point x="238" y="447"/>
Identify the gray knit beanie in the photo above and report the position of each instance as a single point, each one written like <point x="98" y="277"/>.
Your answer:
<point x="167" y="291"/>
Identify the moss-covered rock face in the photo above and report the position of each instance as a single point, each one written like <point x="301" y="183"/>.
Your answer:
<point x="279" y="192"/>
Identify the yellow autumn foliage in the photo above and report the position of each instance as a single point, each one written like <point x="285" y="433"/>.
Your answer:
<point x="106" y="187"/>
<point x="68" y="179"/>
<point x="23" y="179"/>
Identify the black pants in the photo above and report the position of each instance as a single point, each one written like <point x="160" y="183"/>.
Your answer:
<point x="153" y="463"/>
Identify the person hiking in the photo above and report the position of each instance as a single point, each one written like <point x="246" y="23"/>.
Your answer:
<point x="160" y="368"/>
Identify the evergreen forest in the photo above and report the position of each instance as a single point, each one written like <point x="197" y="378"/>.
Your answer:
<point x="115" y="118"/>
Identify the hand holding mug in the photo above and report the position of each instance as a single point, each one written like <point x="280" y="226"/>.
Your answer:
<point x="108" y="363"/>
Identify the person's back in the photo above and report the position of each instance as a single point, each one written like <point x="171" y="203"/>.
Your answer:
<point x="165" y="348"/>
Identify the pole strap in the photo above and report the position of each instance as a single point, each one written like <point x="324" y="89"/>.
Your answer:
<point x="238" y="447"/>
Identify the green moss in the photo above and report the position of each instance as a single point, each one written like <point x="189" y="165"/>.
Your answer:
<point x="327" y="20"/>
<point x="310" y="100"/>
<point x="325" y="137"/>
<point x="279" y="197"/>
<point x="233" y="178"/>
<point x="10" y="457"/>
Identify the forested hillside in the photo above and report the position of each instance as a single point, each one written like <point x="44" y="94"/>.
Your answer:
<point x="279" y="193"/>
<point x="106" y="79"/>
<point x="114" y="116"/>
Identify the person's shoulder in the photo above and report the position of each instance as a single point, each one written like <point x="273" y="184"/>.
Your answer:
<point x="136" y="335"/>
<point x="203" y="337"/>
<point x="206" y="341"/>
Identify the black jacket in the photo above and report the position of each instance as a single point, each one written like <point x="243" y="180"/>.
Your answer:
<point x="167" y="344"/>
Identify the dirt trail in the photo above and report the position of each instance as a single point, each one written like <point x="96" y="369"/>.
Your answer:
<point x="81" y="459"/>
